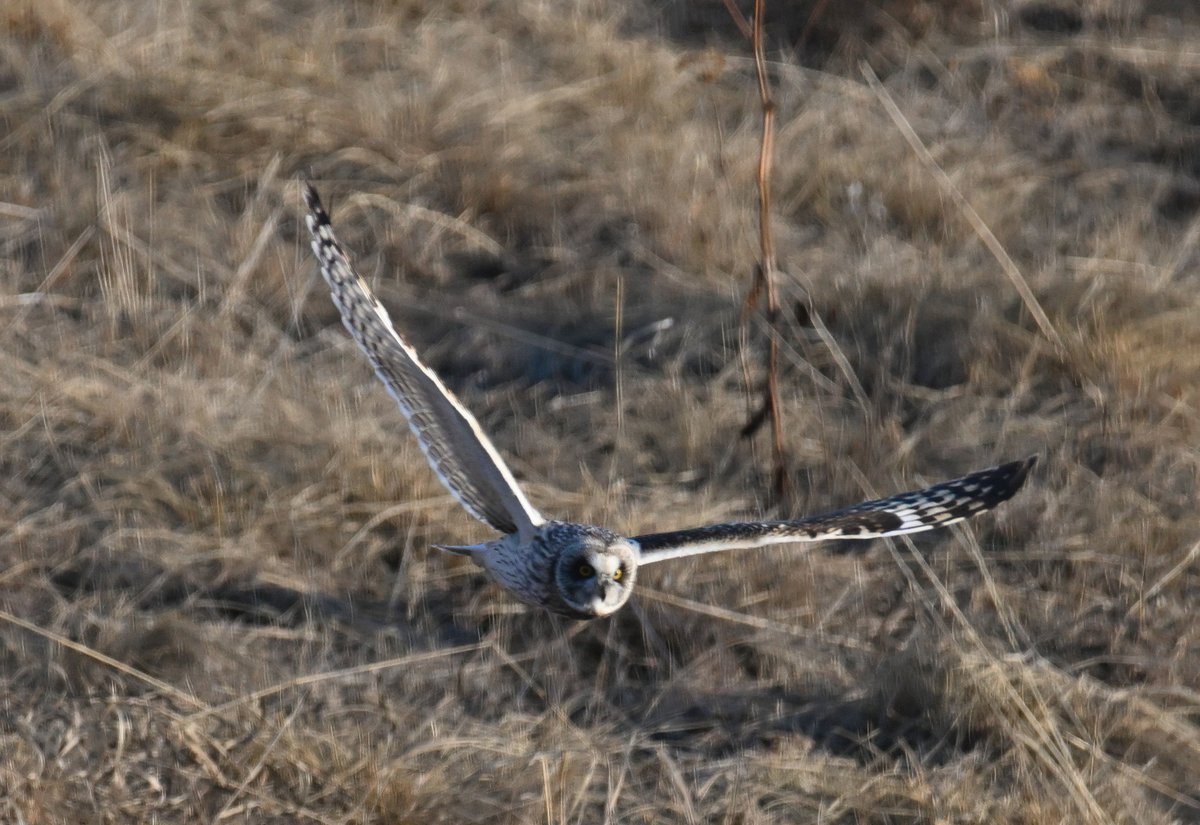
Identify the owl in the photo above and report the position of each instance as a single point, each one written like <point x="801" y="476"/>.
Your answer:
<point x="584" y="571"/>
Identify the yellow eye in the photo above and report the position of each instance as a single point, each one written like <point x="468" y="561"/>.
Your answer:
<point x="620" y="571"/>
<point x="586" y="571"/>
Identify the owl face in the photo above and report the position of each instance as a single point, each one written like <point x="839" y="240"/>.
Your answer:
<point x="595" y="574"/>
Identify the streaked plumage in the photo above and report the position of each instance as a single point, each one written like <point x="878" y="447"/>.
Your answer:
<point x="581" y="570"/>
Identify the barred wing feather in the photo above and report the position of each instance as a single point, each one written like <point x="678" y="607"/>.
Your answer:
<point x="912" y="512"/>
<point x="458" y="450"/>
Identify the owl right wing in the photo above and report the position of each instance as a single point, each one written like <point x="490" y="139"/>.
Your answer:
<point x="457" y="449"/>
<point x="913" y="512"/>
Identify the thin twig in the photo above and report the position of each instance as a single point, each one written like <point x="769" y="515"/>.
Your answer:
<point x="1169" y="577"/>
<point x="314" y="678"/>
<point x="748" y="620"/>
<point x="952" y="192"/>
<point x="258" y="766"/>
<point x="180" y="696"/>
<point x="764" y="273"/>
<point x="739" y="19"/>
<point x="817" y="13"/>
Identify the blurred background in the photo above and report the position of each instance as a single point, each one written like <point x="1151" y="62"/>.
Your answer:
<point x="218" y="602"/>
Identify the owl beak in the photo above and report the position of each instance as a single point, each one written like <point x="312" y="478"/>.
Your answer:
<point x="606" y="598"/>
<point x="608" y="591"/>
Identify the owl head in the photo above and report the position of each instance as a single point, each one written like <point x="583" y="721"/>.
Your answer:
<point x="595" y="571"/>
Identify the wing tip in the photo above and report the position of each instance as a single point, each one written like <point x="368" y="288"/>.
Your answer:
<point x="311" y="198"/>
<point x="317" y="216"/>
<point x="1015" y="473"/>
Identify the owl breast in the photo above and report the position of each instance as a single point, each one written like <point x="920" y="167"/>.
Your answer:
<point x="524" y="569"/>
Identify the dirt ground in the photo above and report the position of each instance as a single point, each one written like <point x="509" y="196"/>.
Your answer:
<point x="218" y="600"/>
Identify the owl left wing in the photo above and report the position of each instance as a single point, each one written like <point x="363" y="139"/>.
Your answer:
<point x="912" y="512"/>
<point x="454" y="444"/>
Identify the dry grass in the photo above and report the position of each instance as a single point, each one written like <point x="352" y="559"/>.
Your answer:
<point x="218" y="602"/>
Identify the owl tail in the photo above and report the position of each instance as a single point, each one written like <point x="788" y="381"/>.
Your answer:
<point x="471" y="551"/>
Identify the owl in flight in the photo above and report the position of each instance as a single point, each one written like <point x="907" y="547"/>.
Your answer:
<point x="580" y="570"/>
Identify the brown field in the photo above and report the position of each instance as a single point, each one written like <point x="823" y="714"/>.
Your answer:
<point x="219" y="603"/>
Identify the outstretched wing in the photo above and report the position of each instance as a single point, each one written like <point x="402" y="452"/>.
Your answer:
<point x="914" y="512"/>
<point x="457" y="449"/>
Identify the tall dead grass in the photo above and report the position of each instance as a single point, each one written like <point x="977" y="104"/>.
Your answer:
<point x="218" y="602"/>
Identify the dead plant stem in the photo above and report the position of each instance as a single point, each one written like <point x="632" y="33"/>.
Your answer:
<point x="764" y="274"/>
